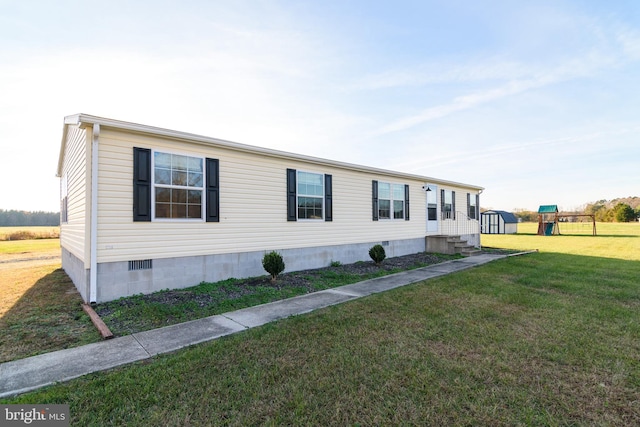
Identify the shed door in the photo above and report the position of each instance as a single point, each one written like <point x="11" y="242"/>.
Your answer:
<point x="494" y="224"/>
<point x="490" y="223"/>
<point x="432" y="209"/>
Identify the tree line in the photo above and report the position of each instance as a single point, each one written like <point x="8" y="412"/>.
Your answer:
<point x="620" y="212"/>
<point x="13" y="218"/>
<point x="617" y="210"/>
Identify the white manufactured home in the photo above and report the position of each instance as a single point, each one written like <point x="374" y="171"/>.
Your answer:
<point x="145" y="208"/>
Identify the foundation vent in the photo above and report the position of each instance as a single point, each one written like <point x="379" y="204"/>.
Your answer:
<point x="144" y="264"/>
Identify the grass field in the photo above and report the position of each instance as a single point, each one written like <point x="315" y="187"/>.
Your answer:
<point x="613" y="240"/>
<point x="550" y="338"/>
<point x="23" y="233"/>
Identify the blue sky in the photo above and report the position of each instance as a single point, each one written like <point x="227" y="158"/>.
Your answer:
<point x="537" y="101"/>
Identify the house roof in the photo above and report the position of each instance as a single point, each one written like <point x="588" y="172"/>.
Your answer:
<point x="86" y="120"/>
<point x="548" y="209"/>
<point x="507" y="217"/>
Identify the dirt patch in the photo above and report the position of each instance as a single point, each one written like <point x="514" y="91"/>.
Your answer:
<point x="19" y="258"/>
<point x="28" y="259"/>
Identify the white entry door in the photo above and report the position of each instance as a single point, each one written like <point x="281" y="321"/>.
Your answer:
<point x="432" y="208"/>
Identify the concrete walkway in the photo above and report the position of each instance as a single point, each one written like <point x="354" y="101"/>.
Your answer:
<point x="31" y="373"/>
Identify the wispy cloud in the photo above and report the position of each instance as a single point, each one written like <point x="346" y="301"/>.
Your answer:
<point x="460" y="103"/>
<point x="444" y="72"/>
<point x="498" y="77"/>
<point x="536" y="78"/>
<point x="483" y="154"/>
<point x="629" y="39"/>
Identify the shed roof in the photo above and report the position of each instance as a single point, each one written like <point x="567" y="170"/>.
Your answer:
<point x="507" y="217"/>
<point x="548" y="209"/>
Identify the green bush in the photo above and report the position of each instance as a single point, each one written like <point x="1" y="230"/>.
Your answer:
<point x="377" y="254"/>
<point x="273" y="264"/>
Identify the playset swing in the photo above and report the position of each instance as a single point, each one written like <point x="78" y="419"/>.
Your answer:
<point x="549" y="220"/>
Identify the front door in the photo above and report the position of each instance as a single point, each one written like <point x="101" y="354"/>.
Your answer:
<point x="432" y="208"/>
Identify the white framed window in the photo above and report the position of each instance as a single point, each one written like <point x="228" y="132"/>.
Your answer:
<point x="310" y="195"/>
<point x="178" y="186"/>
<point x="64" y="199"/>
<point x="391" y="200"/>
<point x="432" y="205"/>
<point x="398" y="201"/>
<point x="472" y="202"/>
<point x="448" y="204"/>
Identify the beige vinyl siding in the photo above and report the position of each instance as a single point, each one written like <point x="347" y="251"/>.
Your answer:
<point x="75" y="167"/>
<point x="252" y="206"/>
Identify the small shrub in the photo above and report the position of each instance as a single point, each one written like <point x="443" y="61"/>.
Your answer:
<point x="335" y="264"/>
<point x="377" y="254"/>
<point x="273" y="264"/>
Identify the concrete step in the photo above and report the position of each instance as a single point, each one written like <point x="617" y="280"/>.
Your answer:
<point x="465" y="249"/>
<point x="471" y="252"/>
<point x="448" y="245"/>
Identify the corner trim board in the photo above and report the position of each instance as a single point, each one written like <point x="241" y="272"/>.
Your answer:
<point x="93" y="276"/>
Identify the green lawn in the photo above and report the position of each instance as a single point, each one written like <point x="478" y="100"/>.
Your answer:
<point x="550" y="338"/>
<point x="613" y="240"/>
<point x="29" y="246"/>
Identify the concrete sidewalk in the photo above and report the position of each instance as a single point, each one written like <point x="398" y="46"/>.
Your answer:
<point x="31" y="373"/>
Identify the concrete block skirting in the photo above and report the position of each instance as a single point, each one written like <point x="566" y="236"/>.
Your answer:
<point x="74" y="267"/>
<point x="115" y="280"/>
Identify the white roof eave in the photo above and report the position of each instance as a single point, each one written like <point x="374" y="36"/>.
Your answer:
<point x="84" y="120"/>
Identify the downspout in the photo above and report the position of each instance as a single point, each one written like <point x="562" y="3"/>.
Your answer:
<point x="93" y="277"/>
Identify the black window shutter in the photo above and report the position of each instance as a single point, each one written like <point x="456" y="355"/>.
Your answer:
<point x="141" y="184"/>
<point x="453" y="204"/>
<point x="442" y="204"/>
<point x="469" y="205"/>
<point x="291" y="195"/>
<point x="213" y="190"/>
<point x="406" y="202"/>
<point x="374" y="198"/>
<point x="328" y="198"/>
<point x="477" y="206"/>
